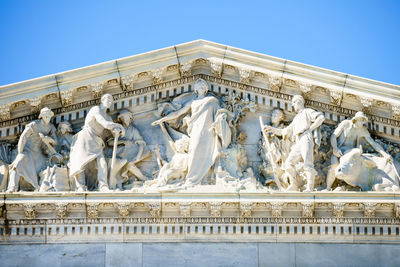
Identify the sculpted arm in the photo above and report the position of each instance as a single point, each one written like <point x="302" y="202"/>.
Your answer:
<point x="170" y="141"/>
<point x="24" y="137"/>
<point x="173" y="115"/>
<point x="377" y="147"/>
<point x="317" y="122"/>
<point x="338" y="131"/>
<point x="106" y="123"/>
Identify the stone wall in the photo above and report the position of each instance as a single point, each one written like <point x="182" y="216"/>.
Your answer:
<point x="200" y="254"/>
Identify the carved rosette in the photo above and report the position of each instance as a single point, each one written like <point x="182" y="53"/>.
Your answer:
<point x="396" y="111"/>
<point x="369" y="209"/>
<point x="338" y="209"/>
<point x="92" y="210"/>
<point x="66" y="97"/>
<point x="62" y="210"/>
<point x="244" y="75"/>
<point x="185" y="208"/>
<point x="123" y="209"/>
<point x="216" y="209"/>
<point x="5" y="112"/>
<point x="245" y="209"/>
<point x="128" y="81"/>
<point x="186" y="69"/>
<point x="276" y="209"/>
<point x="308" y="209"/>
<point x="30" y="211"/>
<point x="305" y="89"/>
<point x="275" y="83"/>
<point x="35" y="104"/>
<point x="216" y="68"/>
<point x="155" y="209"/>
<point x="97" y="89"/>
<point x="158" y="75"/>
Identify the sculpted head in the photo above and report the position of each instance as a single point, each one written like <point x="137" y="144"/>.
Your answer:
<point x="359" y="119"/>
<point x="46" y="114"/>
<point x="201" y="87"/>
<point x="182" y="145"/>
<point x="298" y="102"/>
<point x="277" y="116"/>
<point x="64" y="127"/>
<point x="125" y="117"/>
<point x="107" y="100"/>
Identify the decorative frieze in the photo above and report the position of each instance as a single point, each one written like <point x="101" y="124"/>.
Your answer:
<point x="96" y="89"/>
<point x="30" y="210"/>
<point x="66" y="97"/>
<point x="216" y="68"/>
<point x="216" y="209"/>
<point x="275" y="83"/>
<point x="305" y="88"/>
<point x="92" y="210"/>
<point x="5" y="112"/>
<point x="244" y="75"/>
<point x="246" y="209"/>
<point x="370" y="209"/>
<point x="61" y="210"/>
<point x="158" y="75"/>
<point x="123" y="209"/>
<point x="35" y="104"/>
<point x="186" y="69"/>
<point x="185" y="208"/>
<point x="307" y="209"/>
<point x="155" y="209"/>
<point x="335" y="97"/>
<point x="338" y="209"/>
<point x="276" y="209"/>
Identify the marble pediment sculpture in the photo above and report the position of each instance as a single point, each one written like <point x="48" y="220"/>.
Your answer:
<point x="200" y="141"/>
<point x="204" y="123"/>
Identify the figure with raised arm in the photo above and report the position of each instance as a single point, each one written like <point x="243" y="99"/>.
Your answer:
<point x="301" y="133"/>
<point x="204" y="145"/>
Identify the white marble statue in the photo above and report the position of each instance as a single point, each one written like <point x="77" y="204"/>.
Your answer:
<point x="88" y="144"/>
<point x="275" y="149"/>
<point x="348" y="137"/>
<point x="132" y="149"/>
<point x="176" y="169"/>
<point x="301" y="133"/>
<point x="35" y="147"/>
<point x="55" y="177"/>
<point x="204" y="145"/>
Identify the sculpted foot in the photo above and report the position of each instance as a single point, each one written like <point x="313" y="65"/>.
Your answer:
<point x="80" y="189"/>
<point x="104" y="188"/>
<point x="11" y="190"/>
<point x="292" y="188"/>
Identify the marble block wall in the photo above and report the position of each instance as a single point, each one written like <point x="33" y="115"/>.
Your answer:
<point x="200" y="254"/>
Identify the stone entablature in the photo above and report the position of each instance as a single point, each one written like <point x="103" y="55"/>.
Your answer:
<point x="125" y="217"/>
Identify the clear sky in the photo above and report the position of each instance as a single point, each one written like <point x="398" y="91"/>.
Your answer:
<point x="44" y="37"/>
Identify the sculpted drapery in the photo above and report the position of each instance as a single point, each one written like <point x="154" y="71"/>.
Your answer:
<point x="204" y="144"/>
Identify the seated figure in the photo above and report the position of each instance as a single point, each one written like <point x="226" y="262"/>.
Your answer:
<point x="131" y="150"/>
<point x="176" y="168"/>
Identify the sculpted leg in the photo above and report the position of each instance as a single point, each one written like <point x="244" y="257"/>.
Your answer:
<point x="80" y="182"/>
<point x="290" y="168"/>
<point x="330" y="178"/>
<point x="136" y="171"/>
<point x="102" y="173"/>
<point x="13" y="182"/>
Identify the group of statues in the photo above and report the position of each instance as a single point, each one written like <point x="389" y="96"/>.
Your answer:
<point x="202" y="147"/>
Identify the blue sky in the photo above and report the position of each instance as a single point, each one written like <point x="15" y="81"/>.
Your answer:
<point x="45" y="37"/>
